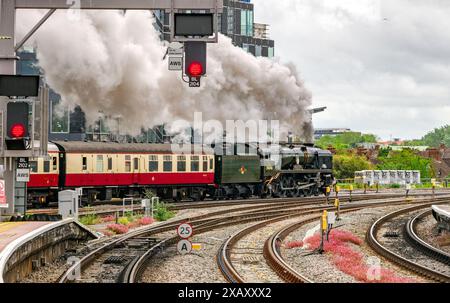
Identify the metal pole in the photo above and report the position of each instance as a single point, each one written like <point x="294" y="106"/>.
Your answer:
<point x="8" y="67"/>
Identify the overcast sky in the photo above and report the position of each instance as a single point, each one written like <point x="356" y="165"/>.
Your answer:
<point x="380" y="66"/>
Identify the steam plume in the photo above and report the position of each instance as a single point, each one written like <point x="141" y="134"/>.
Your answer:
<point x="111" y="62"/>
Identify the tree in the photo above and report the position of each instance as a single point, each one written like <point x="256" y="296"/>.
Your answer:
<point x="406" y="160"/>
<point x="345" y="140"/>
<point x="438" y="136"/>
<point x="344" y="166"/>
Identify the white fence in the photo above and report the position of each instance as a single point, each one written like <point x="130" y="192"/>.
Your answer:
<point x="386" y="177"/>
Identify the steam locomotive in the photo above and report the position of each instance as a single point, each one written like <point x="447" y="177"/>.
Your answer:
<point x="225" y="171"/>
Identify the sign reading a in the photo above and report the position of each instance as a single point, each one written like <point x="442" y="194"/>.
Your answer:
<point x="194" y="81"/>
<point x="175" y="63"/>
<point x="3" y="203"/>
<point x="23" y="175"/>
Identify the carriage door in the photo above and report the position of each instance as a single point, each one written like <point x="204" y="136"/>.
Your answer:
<point x="136" y="170"/>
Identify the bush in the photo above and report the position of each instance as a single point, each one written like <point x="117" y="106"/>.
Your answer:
<point x="344" y="166"/>
<point x="293" y="244"/>
<point x="108" y="219"/>
<point x="162" y="212"/>
<point x="118" y="229"/>
<point x="90" y="220"/>
<point x="350" y="261"/>
<point x="146" y="221"/>
<point x="124" y="221"/>
<point x="406" y="160"/>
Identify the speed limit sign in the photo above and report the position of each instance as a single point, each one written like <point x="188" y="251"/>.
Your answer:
<point x="185" y="230"/>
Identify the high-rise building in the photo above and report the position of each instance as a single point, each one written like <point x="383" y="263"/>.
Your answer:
<point x="236" y="22"/>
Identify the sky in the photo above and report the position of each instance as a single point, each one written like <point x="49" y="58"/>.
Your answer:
<point x="380" y="66"/>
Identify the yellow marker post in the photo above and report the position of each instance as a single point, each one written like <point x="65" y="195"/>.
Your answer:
<point x="351" y="191"/>
<point x="328" y="191"/>
<point x="324" y="220"/>
<point x="337" y="204"/>
<point x="324" y="227"/>
<point x="433" y="186"/>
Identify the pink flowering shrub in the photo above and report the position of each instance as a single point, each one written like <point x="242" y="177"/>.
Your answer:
<point x="108" y="219"/>
<point x="350" y="261"/>
<point x="118" y="228"/>
<point x="293" y="244"/>
<point x="146" y="221"/>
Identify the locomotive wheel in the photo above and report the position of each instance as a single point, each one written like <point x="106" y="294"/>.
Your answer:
<point x="290" y="182"/>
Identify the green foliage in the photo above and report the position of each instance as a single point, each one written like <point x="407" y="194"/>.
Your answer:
<point x="344" y="166"/>
<point x="438" y="136"/>
<point x="346" y="140"/>
<point x="90" y="219"/>
<point x="124" y="221"/>
<point x="384" y="152"/>
<point x="414" y="143"/>
<point x="406" y="160"/>
<point x="163" y="212"/>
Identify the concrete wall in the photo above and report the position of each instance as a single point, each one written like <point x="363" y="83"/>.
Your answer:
<point x="47" y="245"/>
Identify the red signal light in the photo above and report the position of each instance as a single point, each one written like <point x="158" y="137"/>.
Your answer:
<point x="195" y="69"/>
<point x="18" y="130"/>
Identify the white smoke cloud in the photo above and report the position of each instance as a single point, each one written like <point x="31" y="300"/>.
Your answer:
<point x="111" y="62"/>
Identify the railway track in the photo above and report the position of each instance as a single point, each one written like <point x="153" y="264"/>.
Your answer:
<point x="397" y="258"/>
<point x="271" y="248"/>
<point x="202" y="223"/>
<point x="140" y="245"/>
<point x="212" y="204"/>
<point x="426" y="248"/>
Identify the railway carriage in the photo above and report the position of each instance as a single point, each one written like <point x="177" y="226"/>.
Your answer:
<point x="44" y="177"/>
<point x="112" y="170"/>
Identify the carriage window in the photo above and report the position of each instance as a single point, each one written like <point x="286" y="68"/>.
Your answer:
<point x="34" y="166"/>
<point x="127" y="164"/>
<point x="84" y="163"/>
<point x="99" y="164"/>
<point x="205" y="163"/>
<point x="181" y="163"/>
<point x="55" y="163"/>
<point x="211" y="163"/>
<point x="110" y="163"/>
<point x="153" y="163"/>
<point x="136" y="163"/>
<point x="195" y="163"/>
<point x="46" y="166"/>
<point x="167" y="165"/>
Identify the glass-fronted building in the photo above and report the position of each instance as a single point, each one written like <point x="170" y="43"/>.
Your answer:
<point x="237" y="22"/>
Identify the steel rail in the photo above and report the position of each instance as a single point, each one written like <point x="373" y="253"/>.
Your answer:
<point x="373" y="242"/>
<point x="415" y="240"/>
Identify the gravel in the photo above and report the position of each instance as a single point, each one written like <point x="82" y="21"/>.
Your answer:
<point x="427" y="230"/>
<point x="247" y="255"/>
<point x="400" y="246"/>
<point x="197" y="267"/>
<point x="319" y="268"/>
